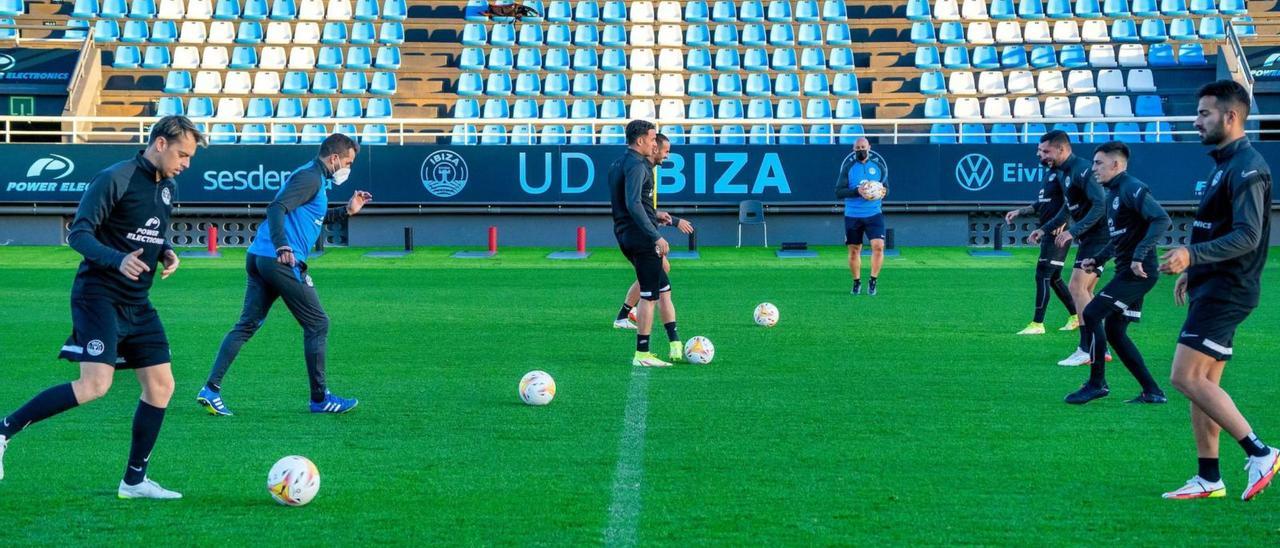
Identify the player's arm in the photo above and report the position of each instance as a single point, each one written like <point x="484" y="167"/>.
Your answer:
<point x="95" y="206"/>
<point x="635" y="177"/>
<point x="842" y="182"/>
<point x="298" y="190"/>
<point x="1097" y="207"/>
<point x="1058" y="219"/>
<point x="1157" y="218"/>
<point x="1248" y="209"/>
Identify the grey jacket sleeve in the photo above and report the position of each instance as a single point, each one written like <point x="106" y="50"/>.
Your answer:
<point x="1097" y="208"/>
<point x="95" y="205"/>
<point x="842" y="182"/>
<point x="300" y="189"/>
<point x="1158" y="223"/>
<point x="1247" y="210"/>
<point x="635" y="200"/>
<point x="1058" y="218"/>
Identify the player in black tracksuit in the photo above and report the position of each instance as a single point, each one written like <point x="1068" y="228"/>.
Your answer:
<point x="635" y="225"/>
<point x="1048" y="203"/>
<point x="1136" y="222"/>
<point x="1221" y="277"/>
<point x="1084" y="208"/>
<point x="120" y="229"/>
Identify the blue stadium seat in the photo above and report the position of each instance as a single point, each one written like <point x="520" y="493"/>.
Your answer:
<point x="615" y="11"/>
<point x="699" y="85"/>
<point x="986" y="58"/>
<point x="523" y="109"/>
<point x="324" y="83"/>
<point x="1096" y="132"/>
<point x="496" y="109"/>
<point x="392" y="34"/>
<point x="937" y="107"/>
<point x="810" y="34"/>
<point x="1127" y="132"/>
<point x="584" y="108"/>
<point x="319" y="107"/>
<point x="1115" y="8"/>
<point x="787" y="85"/>
<point x="135" y="32"/>
<point x="356" y="83"/>
<point x="106" y="31"/>
<point x="254" y="134"/>
<point x="972" y="134"/>
<point x="84" y="9"/>
<point x="289" y="107"/>
<point x="335" y="34"/>
<point x="728" y="85"/>
<point x="1244" y="26"/>
<point x="1174" y="7"/>
<point x="246" y="58"/>
<point x="702" y="135"/>
<point x="558" y="60"/>
<point x="817" y="109"/>
<point x="956" y="57"/>
<point x="724" y="11"/>
<point x="554" y="135"/>
<point x="918" y="10"/>
<point x="848" y="109"/>
<point x="755" y="60"/>
<point x="1030" y="9"/>
<point x="838" y="34"/>
<point x="759" y="85"/>
<point x="1088" y="9"/>
<point x="366" y="10"/>
<point x="223" y="134"/>
<point x="138" y="9"/>
<point x="784" y="59"/>
<point x="498" y="84"/>
<point x="727" y="60"/>
<point x="462" y="134"/>
<point x="284" y="10"/>
<point x="350" y="129"/>
<point x="250" y="32"/>
<point x="255" y="10"/>
<point x="730" y="109"/>
<point x="585" y="85"/>
<point x="529" y="85"/>
<point x="1059" y="9"/>
<point x="696" y="12"/>
<point x="1073" y="131"/>
<point x="813" y="59"/>
<point x="1182" y="29"/>
<point x="560" y="35"/>
<point x="760" y="109"/>
<point x="1004" y="134"/>
<point x="1211" y="28"/>
<point x="614" y="36"/>
<point x="493" y="134"/>
<point x="157" y="57"/>
<point x="1161" y="55"/>
<point x="502" y="34"/>
<point x="789" y="108"/>
<point x="384" y="83"/>
<point x="1003" y="10"/>
<point x="933" y="83"/>
<point x="1031" y="133"/>
<point x="761" y="134"/>
<point x="586" y="60"/>
<point x="164" y="32"/>
<point x="791" y="134"/>
<point x="363" y="33"/>
<point x="126" y="57"/>
<point x="753" y="34"/>
<point x="555" y="109"/>
<point x="1191" y="55"/>
<point x="114" y="9"/>
<point x="806" y="11"/>
<point x="200" y="107"/>
<point x="850" y="133"/>
<point x="698" y="60"/>
<point x="470" y="84"/>
<point x="613" y="108"/>
<point x="697" y="35"/>
<point x="1013" y="57"/>
<point x="834" y="10"/>
<point x="358" y="57"/>
<point x="1145" y="8"/>
<point x="314" y="134"/>
<point x="844" y="85"/>
<point x="388" y="58"/>
<point x="1148" y="105"/>
<point x="522" y="136"/>
<point x="559" y="11"/>
<point x="297" y="83"/>
<point x="1232" y="7"/>
<point x="1124" y="31"/>
<point x="922" y="32"/>
<point x="613" y="84"/>
<point x="1043" y="56"/>
<point x="615" y="60"/>
<point x="170" y="106"/>
<point x="951" y="32"/>
<point x="398" y="10"/>
<point x="732" y="135"/>
<point x="586" y="11"/>
<point x="177" y="82"/>
<point x="1204" y="7"/>
<point x="927" y="57"/>
<point x="725" y="35"/>
<point x="586" y="35"/>
<point x="1153" y="31"/>
<point x="751" y="11"/>
<point x="1157" y="132"/>
<point x="612" y="135"/>
<point x="350" y="107"/>
<point x="466" y="109"/>
<point x="530" y="35"/>
<point x="1073" y="56"/>
<point x="77" y="29"/>
<point x="821" y="134"/>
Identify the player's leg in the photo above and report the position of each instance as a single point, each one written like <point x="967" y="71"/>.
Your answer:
<point x="298" y="292"/>
<point x="623" y="321"/>
<point x="648" y="266"/>
<point x="667" y="312"/>
<point x="876" y="234"/>
<point x="94" y="382"/>
<point x="1117" y="329"/>
<point x="853" y="240"/>
<point x="1081" y="287"/>
<point x="258" y="298"/>
<point x="1207" y="483"/>
<point x="157" y="389"/>
<point x="1096" y="315"/>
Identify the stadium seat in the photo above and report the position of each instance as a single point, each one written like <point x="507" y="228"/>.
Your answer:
<point x="927" y="57"/>
<point x="1066" y="32"/>
<point x="1148" y="105"/>
<point x="816" y="84"/>
<point x="758" y="85"/>
<point x="186" y="57"/>
<point x="933" y="83"/>
<point x="1021" y="82"/>
<point x="817" y="109"/>
<point x="728" y="85"/>
<point x="356" y="83"/>
<point x="1157" y="132"/>
<point x="784" y="59"/>
<point x="319" y="107"/>
<point x="1182" y="29"/>
<point x="980" y="33"/>
<point x="254" y="134"/>
<point x="996" y="107"/>
<point x="1141" y="81"/>
<point x="779" y="11"/>
<point x="1073" y="56"/>
<point x="946" y="10"/>
<point x="1211" y="28"/>
<point x="973" y="134"/>
<point x="1127" y="132"/>
<point x="138" y="9"/>
<point x="1118" y="106"/>
<point x="974" y="10"/>
<point x="1116" y="8"/>
<point x="262" y="83"/>
<point x="1008" y="32"/>
<point x="1087" y="106"/>
<point x="1057" y="107"/>
<point x="955" y="57"/>
<point x="942" y="134"/>
<point x="1005" y="134"/>
<point x="951" y="32"/>
<point x="493" y="134"/>
<point x="787" y="85"/>
<point x="968" y="107"/>
<point x="339" y="10"/>
<point x="1043" y="57"/>
<point x="1232" y="7"/>
<point x="311" y="10"/>
<point x="559" y="11"/>
<point x="1131" y="55"/>
<point x="586" y="11"/>
<point x="463" y="134"/>
<point x="496" y="109"/>
<point x="1059" y="9"/>
<point x="295" y="83"/>
<point x="841" y="59"/>
<point x="520" y="136"/>
<point x="844" y="85"/>
<point x="808" y="11"/>
<point x="1145" y="8"/>
<point x="810" y="34"/>
<point x="230" y="108"/>
<point x="1161" y="55"/>
<point x="290" y="107"/>
<point x="1204" y="7"/>
<point x="1095" y="31"/>
<point x="1124" y="31"/>
<point x="225" y="10"/>
<point x="1191" y="55"/>
<point x="1003" y="10"/>
<point x="126" y="57"/>
<point x="918" y="10"/>
<point x="383" y="83"/>
<point x="838" y="34"/>
<point x="834" y="10"/>
<point x="284" y="10"/>
<point x="989" y="83"/>
<point x="1031" y="9"/>
<point x="751" y="11"/>
<point x="1244" y="26"/>
<point x="584" y="85"/>
<point x="313" y="134"/>
<point x="698" y="60"/>
<point x="1026" y="107"/>
<point x="105" y="31"/>
<point x="223" y="134"/>
<point x="1174" y="7"/>
<point x="178" y="82"/>
<point x="114" y="9"/>
<point x="1013" y="57"/>
<point x="1110" y="81"/>
<point x="922" y="32"/>
<point x="986" y="57"/>
<point x="937" y="107"/>
<point x="1081" y="81"/>
<point x="82" y="9"/>
<point x="466" y="109"/>
<point x="1154" y="31"/>
<point x="700" y="85"/>
<point x="779" y="35"/>
<point x="962" y="83"/>
<point x="1050" y="81"/>
<point x="156" y="57"/>
<point x="612" y="135"/>
<point x="255" y="10"/>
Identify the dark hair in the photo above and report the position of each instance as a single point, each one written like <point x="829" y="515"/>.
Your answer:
<point x="637" y="129"/>
<point x="1229" y="94"/>
<point x="1056" y="137"/>
<point x="337" y="144"/>
<point x="1115" y="147"/>
<point x="662" y="138"/>
<point x="174" y="127"/>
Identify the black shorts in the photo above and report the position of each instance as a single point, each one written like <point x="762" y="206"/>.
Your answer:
<point x="1211" y="327"/>
<point x="124" y="336"/>
<point x="649" y="272"/>
<point x="1050" y="253"/>
<point x="1088" y="249"/>
<point x="1125" y="292"/>
<point x="855" y="227"/>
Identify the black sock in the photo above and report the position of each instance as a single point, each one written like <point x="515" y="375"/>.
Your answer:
<point x="146" y="428"/>
<point x="624" y="311"/>
<point x="671" y="331"/>
<point x="642" y="343"/>
<point x="1253" y="446"/>
<point x="213" y="387"/>
<point x="46" y="404"/>
<point x="1209" y="470"/>
<point x="873" y="279"/>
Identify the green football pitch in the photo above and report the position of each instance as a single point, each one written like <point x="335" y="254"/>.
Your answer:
<point x="912" y="417"/>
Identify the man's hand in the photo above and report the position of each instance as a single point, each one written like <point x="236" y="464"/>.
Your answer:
<point x="1034" y="237"/>
<point x="132" y="266"/>
<point x="664" y="218"/>
<point x="358" y="200"/>
<point x="170" y="261"/>
<point x="285" y="257"/>
<point x="1136" y="268"/>
<point x="1180" y="290"/>
<point x="1089" y="265"/>
<point x="862" y="190"/>
<point x="662" y="247"/>
<point x="1063" y="239"/>
<point x="1175" y="261"/>
<point x="1010" y="216"/>
<point x="685" y="226"/>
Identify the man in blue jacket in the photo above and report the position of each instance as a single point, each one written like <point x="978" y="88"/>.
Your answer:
<point x="862" y="215"/>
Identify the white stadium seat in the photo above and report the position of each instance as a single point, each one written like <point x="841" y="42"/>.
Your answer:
<point x="1118" y="106"/>
<point x="671" y="85"/>
<point x="996" y="107"/>
<point x="1132" y="55"/>
<point x="670" y="109"/>
<point x="968" y="107"/>
<point x="193" y="32"/>
<point x="1066" y="32"/>
<point x="230" y="108"/>
<point x="670" y="59"/>
<point x="1080" y="81"/>
<point x="272" y="58"/>
<point x="214" y="58"/>
<point x="642" y="85"/>
<point x="1141" y="81"/>
<point x="1026" y="107"/>
<point x="208" y="82"/>
<point x="991" y="83"/>
<point x="238" y="83"/>
<point x="1111" y="81"/>
<point x="1037" y="32"/>
<point x="302" y="58"/>
<point x="1088" y="106"/>
<point x="980" y="33"/>
<point x="1057" y="107"/>
<point x="185" y="57"/>
<point x="1050" y="81"/>
<point x="265" y="83"/>
<point x="642" y="59"/>
<point x="1021" y="82"/>
<point x="946" y="10"/>
<point x="962" y="83"/>
<point x="1102" y="56"/>
<point x="222" y="32"/>
<point x="642" y="12"/>
<point x="669" y="12"/>
<point x="1008" y="32"/>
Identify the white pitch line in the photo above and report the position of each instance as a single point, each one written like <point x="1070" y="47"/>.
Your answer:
<point x="624" y="506"/>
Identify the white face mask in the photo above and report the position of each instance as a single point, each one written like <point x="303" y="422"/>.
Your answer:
<point x="341" y="175"/>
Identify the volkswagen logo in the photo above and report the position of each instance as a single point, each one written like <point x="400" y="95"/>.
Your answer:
<point x="975" y="172"/>
<point x="7" y="62"/>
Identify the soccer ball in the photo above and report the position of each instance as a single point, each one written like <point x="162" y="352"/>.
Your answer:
<point x="699" y="350"/>
<point x="293" y="481"/>
<point x="766" y="315"/>
<point x="874" y="190"/>
<point x="537" y="388"/>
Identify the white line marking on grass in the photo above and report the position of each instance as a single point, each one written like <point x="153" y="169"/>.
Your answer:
<point x="624" y="506"/>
